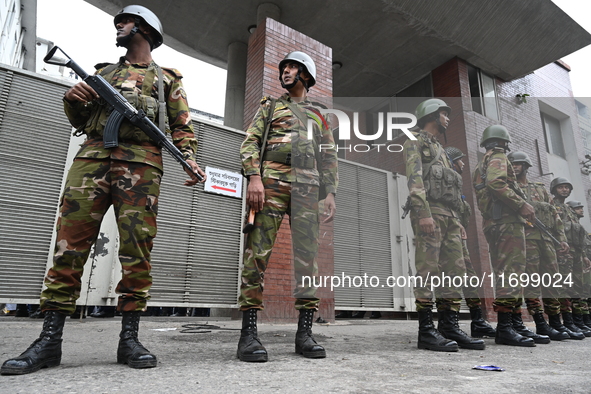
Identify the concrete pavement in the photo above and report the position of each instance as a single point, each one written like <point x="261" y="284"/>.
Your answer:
<point x="363" y="356"/>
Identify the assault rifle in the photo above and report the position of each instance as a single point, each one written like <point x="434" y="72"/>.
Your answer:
<point x="406" y="207"/>
<point x="122" y="110"/>
<point x="542" y="227"/>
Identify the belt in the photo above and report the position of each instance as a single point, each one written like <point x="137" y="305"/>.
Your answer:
<point x="297" y="160"/>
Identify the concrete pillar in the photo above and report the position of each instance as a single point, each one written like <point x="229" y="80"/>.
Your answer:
<point x="235" y="85"/>
<point x="268" y="10"/>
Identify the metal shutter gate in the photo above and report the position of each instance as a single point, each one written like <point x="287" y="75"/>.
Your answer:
<point x="370" y="239"/>
<point x="197" y="253"/>
<point x="34" y="139"/>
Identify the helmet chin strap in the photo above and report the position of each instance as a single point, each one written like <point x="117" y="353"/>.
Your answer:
<point x="295" y="80"/>
<point x="442" y="128"/>
<point x="124" y="41"/>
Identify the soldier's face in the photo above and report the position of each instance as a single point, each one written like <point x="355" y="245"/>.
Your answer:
<point x="563" y="190"/>
<point x="289" y="72"/>
<point x="518" y="167"/>
<point x="580" y="211"/>
<point x="444" y="118"/>
<point x="459" y="164"/>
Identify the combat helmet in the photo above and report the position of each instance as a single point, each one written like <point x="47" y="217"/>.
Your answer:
<point x="559" y="181"/>
<point x="428" y="108"/>
<point x="306" y="63"/>
<point x="519" y="157"/>
<point x="454" y="153"/>
<point x="574" y="204"/>
<point x="140" y="12"/>
<point x="495" y="131"/>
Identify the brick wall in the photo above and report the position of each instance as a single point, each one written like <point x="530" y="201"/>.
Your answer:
<point x="267" y="46"/>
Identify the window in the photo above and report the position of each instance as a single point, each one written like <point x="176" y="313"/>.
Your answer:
<point x="482" y="91"/>
<point x="406" y="101"/>
<point x="553" y="135"/>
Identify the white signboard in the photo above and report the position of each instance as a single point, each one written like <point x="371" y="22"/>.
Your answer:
<point x="223" y="182"/>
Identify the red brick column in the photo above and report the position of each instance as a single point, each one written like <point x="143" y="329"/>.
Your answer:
<point x="267" y="46"/>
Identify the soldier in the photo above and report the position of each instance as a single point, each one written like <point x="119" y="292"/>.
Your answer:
<point x="292" y="174"/>
<point x="127" y="177"/>
<point x="541" y="255"/>
<point x="570" y="264"/>
<point x="435" y="198"/>
<point x="504" y="211"/>
<point x="579" y="210"/>
<point x="479" y="327"/>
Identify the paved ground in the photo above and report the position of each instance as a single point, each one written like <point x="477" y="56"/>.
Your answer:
<point x="363" y="356"/>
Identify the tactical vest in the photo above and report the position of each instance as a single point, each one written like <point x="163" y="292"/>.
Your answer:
<point x="442" y="183"/>
<point x="144" y="101"/>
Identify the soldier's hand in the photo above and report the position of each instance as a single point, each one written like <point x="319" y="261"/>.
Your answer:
<point x="564" y="247"/>
<point x="330" y="208"/>
<point x="255" y="194"/>
<point x="81" y="92"/>
<point x="193" y="181"/>
<point x="528" y="212"/>
<point x="427" y="225"/>
<point x="463" y="233"/>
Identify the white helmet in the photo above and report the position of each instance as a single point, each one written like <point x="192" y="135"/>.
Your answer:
<point x="305" y="61"/>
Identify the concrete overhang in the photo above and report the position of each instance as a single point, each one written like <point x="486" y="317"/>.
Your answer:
<point x="384" y="45"/>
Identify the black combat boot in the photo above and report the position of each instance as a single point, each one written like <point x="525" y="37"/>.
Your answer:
<point x="521" y="329"/>
<point x="506" y="334"/>
<point x="555" y="323"/>
<point x="578" y="321"/>
<point x="479" y="328"/>
<point x="249" y="346"/>
<point x="44" y="352"/>
<point x="542" y="328"/>
<point x="304" y="342"/>
<point x="430" y="338"/>
<point x="587" y="319"/>
<point x="130" y="350"/>
<point x="449" y="326"/>
<point x="569" y="323"/>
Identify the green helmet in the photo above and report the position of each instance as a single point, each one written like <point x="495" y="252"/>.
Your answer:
<point x="495" y="131"/>
<point x="574" y="204"/>
<point x="454" y="153"/>
<point x="559" y="181"/>
<point x="431" y="106"/>
<point x="519" y="157"/>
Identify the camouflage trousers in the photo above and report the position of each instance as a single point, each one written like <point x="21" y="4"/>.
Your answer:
<point x="506" y="245"/>
<point x="92" y="186"/>
<point x="437" y="255"/>
<point x="300" y="202"/>
<point x="470" y="293"/>
<point x="541" y="260"/>
<point x="572" y="263"/>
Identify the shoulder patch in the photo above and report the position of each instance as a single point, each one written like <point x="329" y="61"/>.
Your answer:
<point x="265" y="99"/>
<point x="98" y="66"/>
<point x="176" y="73"/>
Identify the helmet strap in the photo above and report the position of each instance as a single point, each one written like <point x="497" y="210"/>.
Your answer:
<point x="295" y="80"/>
<point x="123" y="42"/>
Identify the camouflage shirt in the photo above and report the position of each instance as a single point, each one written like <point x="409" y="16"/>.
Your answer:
<point x="575" y="233"/>
<point x="417" y="154"/>
<point x="498" y="184"/>
<point x="139" y="84"/>
<point x="537" y="195"/>
<point x="288" y="135"/>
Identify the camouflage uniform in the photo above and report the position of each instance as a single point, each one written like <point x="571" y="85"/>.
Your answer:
<point x="441" y="252"/>
<point x="470" y="292"/>
<point x="291" y="179"/>
<point x="572" y="262"/>
<point x="127" y="177"/>
<point x="540" y="249"/>
<point x="505" y="235"/>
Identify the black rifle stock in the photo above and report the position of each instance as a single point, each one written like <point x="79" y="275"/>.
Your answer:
<point x="121" y="109"/>
<point x="406" y="208"/>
